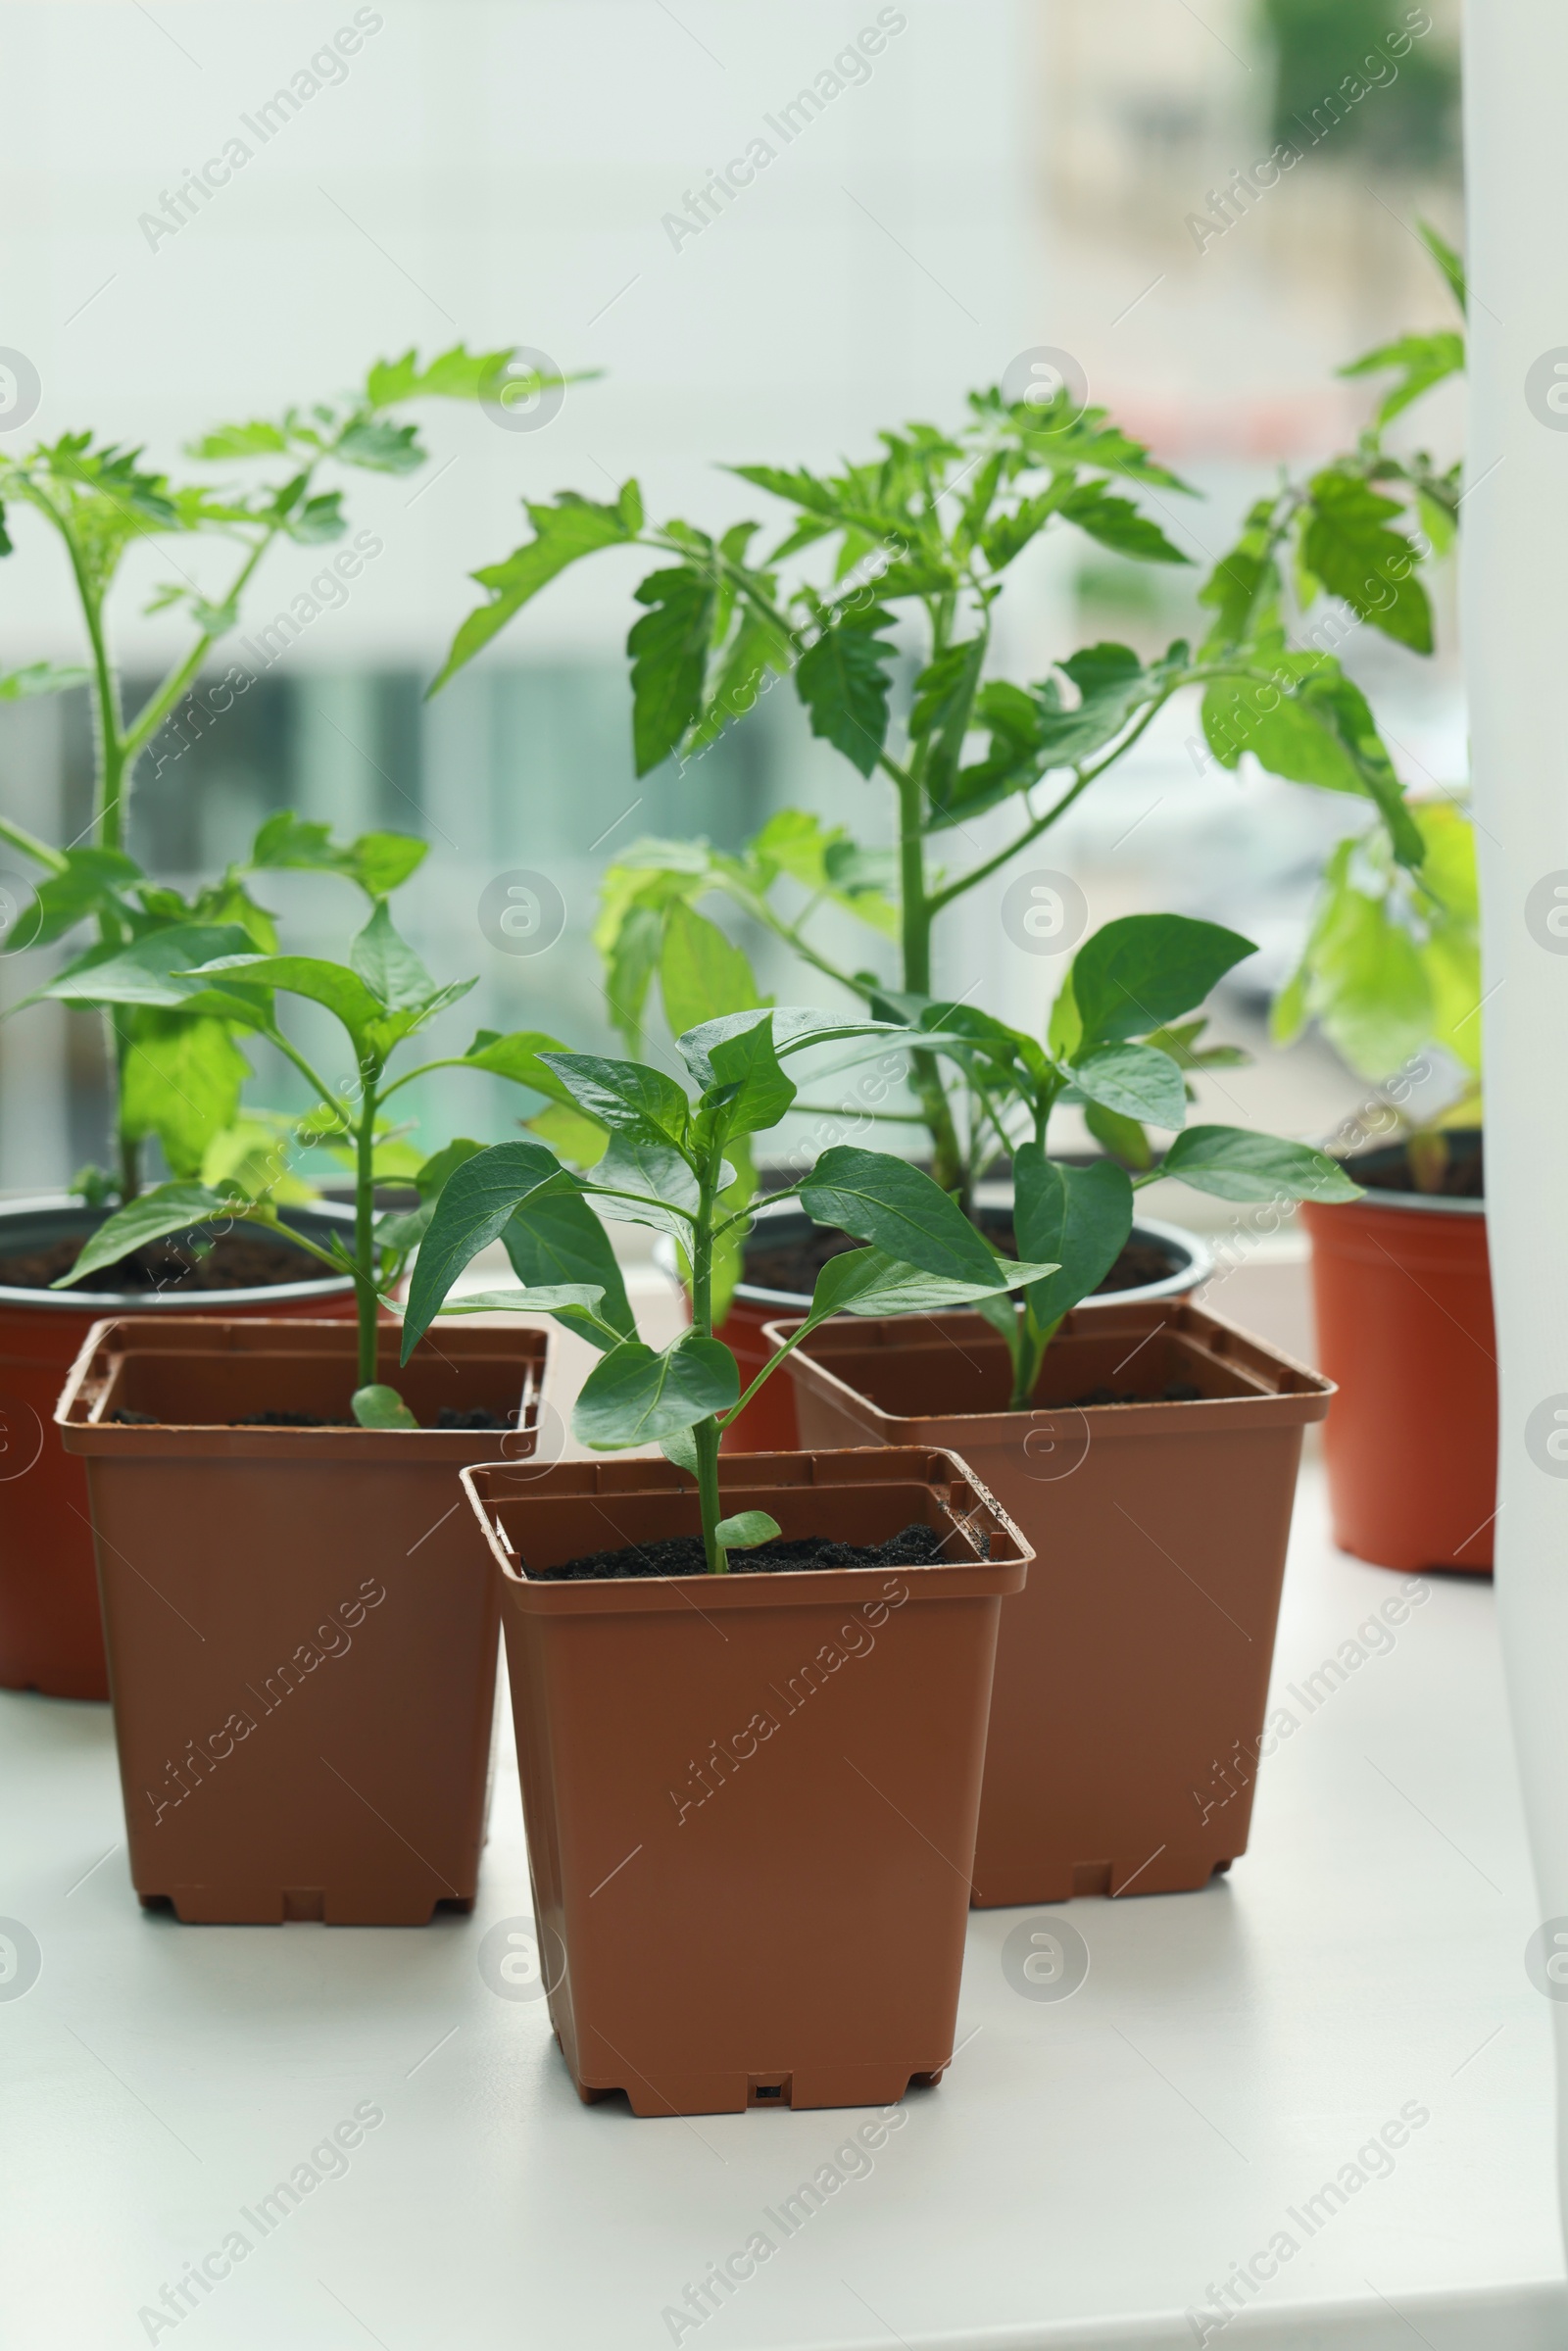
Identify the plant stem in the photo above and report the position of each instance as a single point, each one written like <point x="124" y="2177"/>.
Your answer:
<point x="705" y="1434"/>
<point x="363" y="1228"/>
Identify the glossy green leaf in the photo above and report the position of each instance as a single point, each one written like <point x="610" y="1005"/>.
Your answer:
<point x="626" y="1097"/>
<point x="476" y="1203"/>
<point x="664" y="1191"/>
<point x="1134" y="1080"/>
<point x="1143" y="970"/>
<point x="702" y="975"/>
<point x="340" y="990"/>
<point x="747" y="1079"/>
<point x="1350" y="546"/>
<point x="899" y="1209"/>
<point x="378" y="862"/>
<point x="1080" y="1216"/>
<point x="388" y="965"/>
<point x="1115" y="523"/>
<point x="1235" y="1163"/>
<point x="843" y="681"/>
<point x="180" y="1081"/>
<point x="867" y="1281"/>
<point x="555" y="1238"/>
<point x="634" y="1395"/>
<point x="668" y="648"/>
<point x="564" y="532"/>
<point x="158" y="971"/>
<point x="166" y="1209"/>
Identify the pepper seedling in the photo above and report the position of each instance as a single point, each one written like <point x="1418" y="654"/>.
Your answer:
<point x="383" y="997"/>
<point x="1110" y="1045"/>
<point x="665" y="1166"/>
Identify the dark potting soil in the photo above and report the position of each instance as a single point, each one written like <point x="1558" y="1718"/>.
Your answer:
<point x="1463" y="1178"/>
<point x="1176" y="1392"/>
<point x="683" y="1556"/>
<point x="794" y="1265"/>
<point x="449" y="1418"/>
<point x="236" y="1261"/>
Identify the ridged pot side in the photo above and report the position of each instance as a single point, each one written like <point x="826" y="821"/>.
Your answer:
<point x="301" y="1622"/>
<point x="1132" y="1675"/>
<point x="751" y="1800"/>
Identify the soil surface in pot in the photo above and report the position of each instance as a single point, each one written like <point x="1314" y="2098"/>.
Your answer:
<point x="236" y="1261"/>
<point x="683" y="1556"/>
<point x="449" y="1418"/>
<point x="794" y="1265"/>
<point x="1463" y="1177"/>
<point x="1178" y="1392"/>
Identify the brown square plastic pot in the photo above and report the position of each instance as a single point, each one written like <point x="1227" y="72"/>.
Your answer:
<point x="1132" y="1675"/>
<point x="751" y="1798"/>
<point x="301" y="1623"/>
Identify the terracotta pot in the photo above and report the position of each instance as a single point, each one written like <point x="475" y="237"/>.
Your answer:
<point x="751" y="1798"/>
<point x="301" y="1622"/>
<point x="51" y="1638"/>
<point x="1132" y="1677"/>
<point x="768" y="1423"/>
<point x="1401" y="1291"/>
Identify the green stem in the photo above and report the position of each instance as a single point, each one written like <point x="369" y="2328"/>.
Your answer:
<point x="705" y="1434"/>
<point x="31" y="847"/>
<point x="150" y="717"/>
<point x="364" y="1229"/>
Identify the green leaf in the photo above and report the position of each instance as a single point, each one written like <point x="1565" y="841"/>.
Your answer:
<point x="388" y="965"/>
<point x="899" y="1209"/>
<point x="1136" y="1081"/>
<point x="867" y="1281"/>
<point x="454" y="374"/>
<point x="380" y="447"/>
<point x="181" y="1082"/>
<point x="157" y="970"/>
<point x="571" y="1302"/>
<point x="746" y="1530"/>
<point x="564" y="533"/>
<point x="748" y="1080"/>
<point x="1136" y="973"/>
<point x="517" y="1058"/>
<point x="1123" y="1138"/>
<point x="94" y="880"/>
<point x="1234" y="1163"/>
<point x="42" y="677"/>
<point x="1348" y="544"/>
<point x="1243" y="591"/>
<point x="659" y="1178"/>
<point x="1422" y="360"/>
<point x="680" y="1447"/>
<point x="944" y="709"/>
<point x="378" y="862"/>
<point x="341" y="991"/>
<point x="625" y="1096"/>
<point x="701" y="975"/>
<point x="556" y="1239"/>
<point x="316" y="523"/>
<point x="1310" y="724"/>
<point x="166" y="1209"/>
<point x="228" y="441"/>
<point x="401" y="1230"/>
<point x="577" y="1140"/>
<point x="381" y="1407"/>
<point x="476" y="1203"/>
<point x="634" y="1395"/>
<point x="1117" y="523"/>
<point x="1448" y="261"/>
<point x="669" y="648"/>
<point x="1080" y="1216"/>
<point x="843" y="681"/>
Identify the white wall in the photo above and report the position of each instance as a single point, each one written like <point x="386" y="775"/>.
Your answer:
<point x="500" y="173"/>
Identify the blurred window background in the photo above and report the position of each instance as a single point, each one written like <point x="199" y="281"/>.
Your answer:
<point x="1076" y="173"/>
